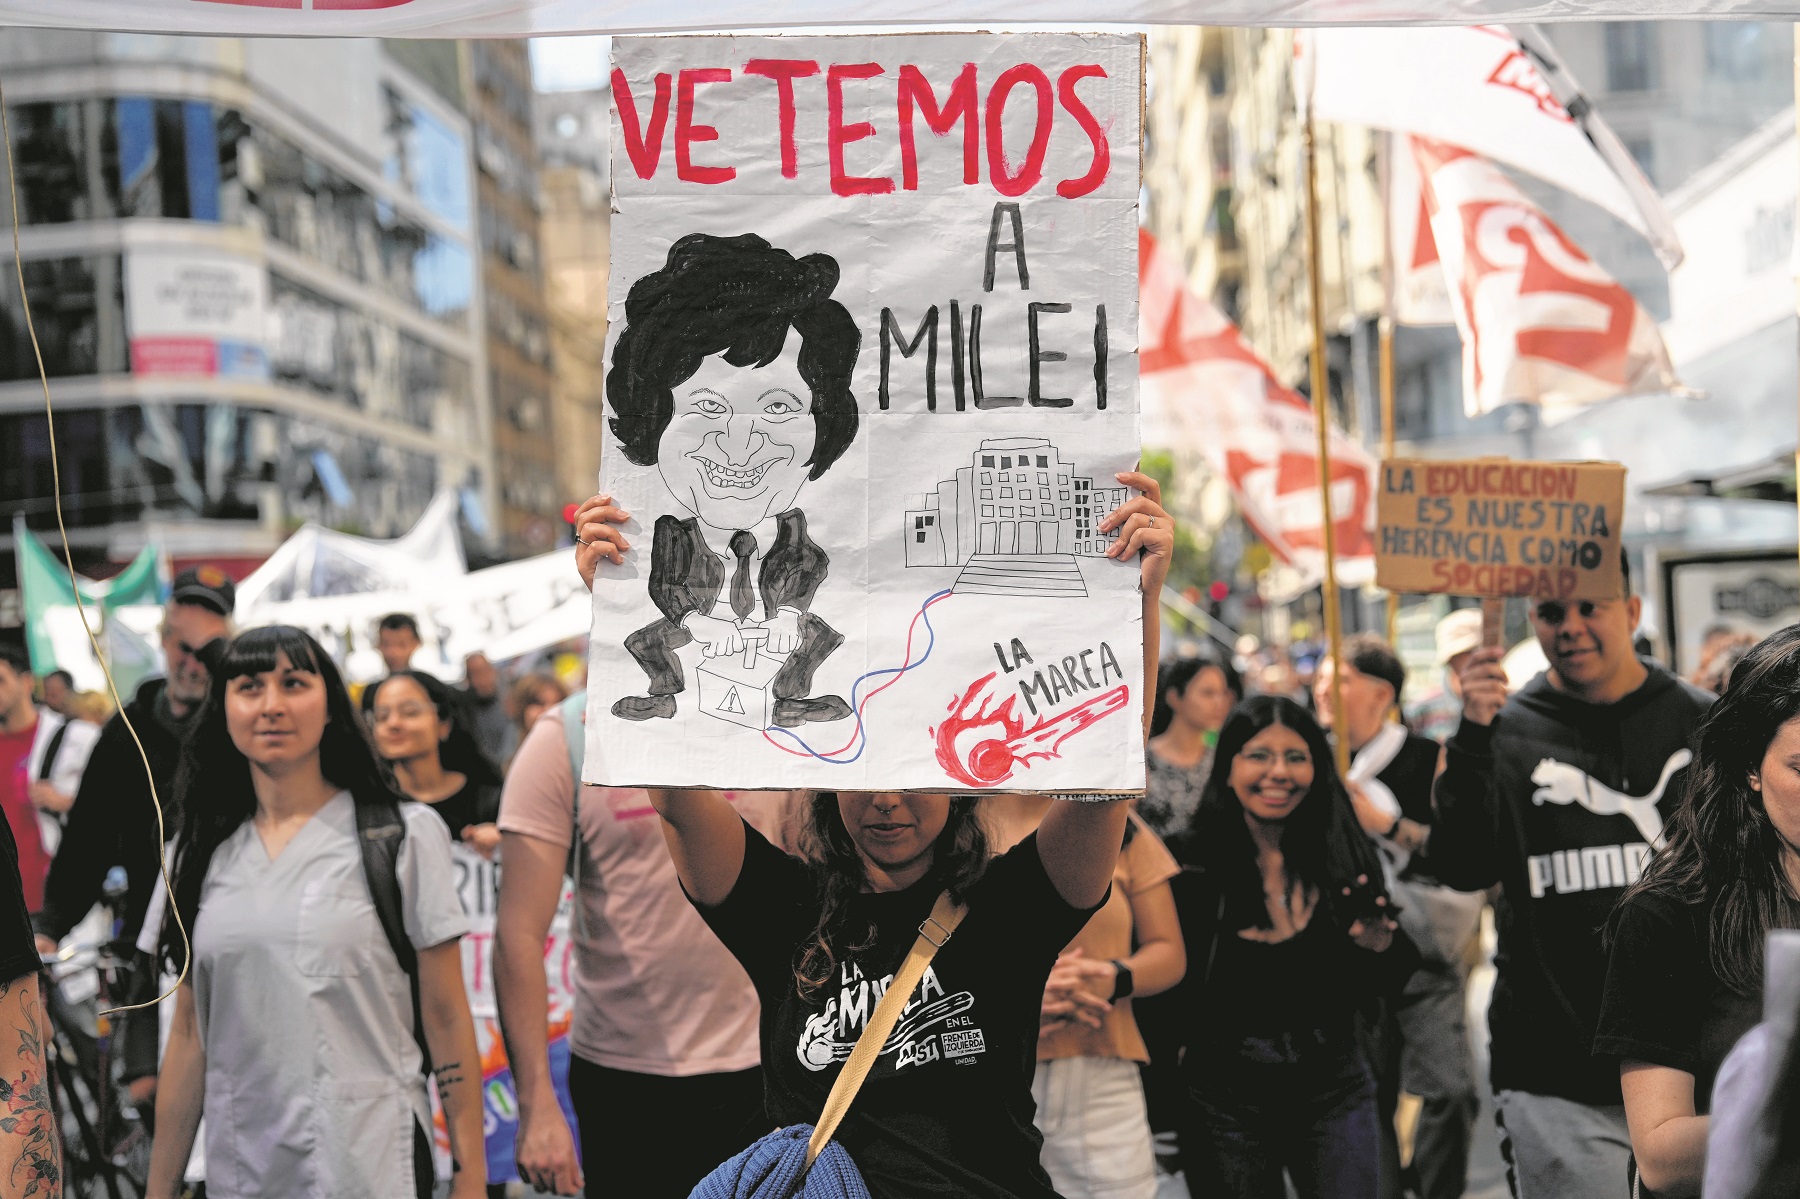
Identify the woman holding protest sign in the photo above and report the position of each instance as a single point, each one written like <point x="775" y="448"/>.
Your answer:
<point x="1290" y="933"/>
<point x="948" y="1109"/>
<point x="293" y="931"/>
<point x="1685" y="966"/>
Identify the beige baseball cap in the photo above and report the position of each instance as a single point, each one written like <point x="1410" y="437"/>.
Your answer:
<point x="1458" y="633"/>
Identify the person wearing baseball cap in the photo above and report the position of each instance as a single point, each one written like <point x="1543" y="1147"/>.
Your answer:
<point x="1435" y="713"/>
<point x="113" y="820"/>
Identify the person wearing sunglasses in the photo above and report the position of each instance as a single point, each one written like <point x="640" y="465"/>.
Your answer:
<point x="1560" y="794"/>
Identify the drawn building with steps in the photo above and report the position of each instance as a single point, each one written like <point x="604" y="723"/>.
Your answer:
<point x="1015" y="519"/>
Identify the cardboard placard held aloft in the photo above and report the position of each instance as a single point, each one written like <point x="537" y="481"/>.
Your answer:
<point x="1499" y="527"/>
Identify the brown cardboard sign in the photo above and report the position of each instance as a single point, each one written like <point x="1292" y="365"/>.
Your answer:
<point x="1499" y="527"/>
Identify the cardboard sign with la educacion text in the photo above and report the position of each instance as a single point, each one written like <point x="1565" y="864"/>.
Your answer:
<point x="1496" y="527"/>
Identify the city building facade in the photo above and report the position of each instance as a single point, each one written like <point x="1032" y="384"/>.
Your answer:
<point x="573" y="131"/>
<point x="519" y="354"/>
<point x="251" y="267"/>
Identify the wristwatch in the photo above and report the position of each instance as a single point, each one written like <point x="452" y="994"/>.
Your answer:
<point x="1122" y="982"/>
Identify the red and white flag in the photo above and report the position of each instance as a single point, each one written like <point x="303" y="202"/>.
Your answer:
<point x="1481" y="87"/>
<point x="1201" y="385"/>
<point x="1540" y="322"/>
<point x="1421" y="294"/>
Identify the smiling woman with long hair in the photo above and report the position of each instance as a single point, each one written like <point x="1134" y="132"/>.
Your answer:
<point x="295" y="1029"/>
<point x="411" y="717"/>
<point x="1685" y="969"/>
<point x="1289" y="934"/>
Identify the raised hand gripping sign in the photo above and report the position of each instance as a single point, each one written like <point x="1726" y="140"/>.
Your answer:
<point x="872" y="375"/>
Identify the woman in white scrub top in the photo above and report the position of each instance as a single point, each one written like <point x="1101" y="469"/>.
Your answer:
<point x="294" y="1029"/>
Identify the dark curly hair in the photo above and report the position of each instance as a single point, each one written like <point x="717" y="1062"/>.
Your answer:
<point x="960" y="858"/>
<point x="736" y="297"/>
<point x="1723" y="853"/>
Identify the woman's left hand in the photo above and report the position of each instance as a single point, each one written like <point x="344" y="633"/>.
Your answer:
<point x="484" y="839"/>
<point x="1144" y="528"/>
<point x="1374" y="932"/>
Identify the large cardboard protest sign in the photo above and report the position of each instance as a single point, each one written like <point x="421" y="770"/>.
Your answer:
<point x="1496" y="527"/>
<point x="872" y="373"/>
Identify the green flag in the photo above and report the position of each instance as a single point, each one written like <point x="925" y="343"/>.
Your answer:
<point x="44" y="585"/>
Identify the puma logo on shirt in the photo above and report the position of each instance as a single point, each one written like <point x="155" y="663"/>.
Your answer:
<point x="1597" y="867"/>
<point x="1560" y="783"/>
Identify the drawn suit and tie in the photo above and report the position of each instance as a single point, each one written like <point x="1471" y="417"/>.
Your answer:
<point x="687" y="577"/>
<point x="732" y="378"/>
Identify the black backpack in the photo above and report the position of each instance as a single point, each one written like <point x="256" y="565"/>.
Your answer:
<point x="380" y="829"/>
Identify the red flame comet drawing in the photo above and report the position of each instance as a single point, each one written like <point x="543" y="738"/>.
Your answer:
<point x="992" y="759"/>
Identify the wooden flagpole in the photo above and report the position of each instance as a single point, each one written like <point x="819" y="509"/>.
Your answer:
<point x="1334" y="621"/>
<point x="1385" y="353"/>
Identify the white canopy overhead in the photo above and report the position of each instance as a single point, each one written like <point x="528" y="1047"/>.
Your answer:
<point x="534" y="18"/>
<point x="317" y="561"/>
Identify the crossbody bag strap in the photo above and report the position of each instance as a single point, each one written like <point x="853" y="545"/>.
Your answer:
<point x="946" y="914"/>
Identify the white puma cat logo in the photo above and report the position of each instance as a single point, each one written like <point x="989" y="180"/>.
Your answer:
<point x="1560" y="783"/>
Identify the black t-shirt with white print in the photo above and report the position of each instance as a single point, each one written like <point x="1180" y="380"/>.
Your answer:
<point x="947" y="1110"/>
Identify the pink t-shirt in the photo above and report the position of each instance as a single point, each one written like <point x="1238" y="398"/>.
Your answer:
<point x="656" y="993"/>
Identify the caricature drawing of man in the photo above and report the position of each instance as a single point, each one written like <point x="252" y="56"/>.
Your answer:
<point x="732" y="378"/>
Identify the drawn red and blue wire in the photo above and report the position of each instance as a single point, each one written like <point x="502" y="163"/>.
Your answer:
<point x="859" y="739"/>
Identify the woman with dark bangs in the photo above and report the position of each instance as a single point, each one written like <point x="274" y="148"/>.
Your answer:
<point x="1289" y="934"/>
<point x="294" y="1031"/>
<point x="1684" y="975"/>
<point x="947" y="1109"/>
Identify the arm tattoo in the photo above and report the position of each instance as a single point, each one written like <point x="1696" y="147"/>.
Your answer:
<point x="448" y="1075"/>
<point x="26" y="1119"/>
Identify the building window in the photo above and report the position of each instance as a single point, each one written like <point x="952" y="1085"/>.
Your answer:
<point x="1068" y="513"/>
<point x="920" y="537"/>
<point x="1063" y="494"/>
<point x="986" y="460"/>
<point x="1005" y="511"/>
<point x="1006" y="463"/>
<point x="987" y="493"/>
<point x="987" y="476"/>
<point x="1043" y="493"/>
<point x="1735" y="50"/>
<point x="67" y="298"/>
<point x="1043" y="475"/>
<point x="930" y="520"/>
<point x="1042" y="460"/>
<point x="1630" y="48"/>
<point x="50" y="155"/>
<point x="1006" y="493"/>
<point x="427" y="157"/>
<point x="987" y="509"/>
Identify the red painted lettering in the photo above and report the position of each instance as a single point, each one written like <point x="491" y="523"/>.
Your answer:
<point x="643" y="144"/>
<point x="1069" y="189"/>
<point x="687" y="133"/>
<point x="839" y="135"/>
<point x="784" y="71"/>
<point x="1007" y="181"/>
<point x="914" y="89"/>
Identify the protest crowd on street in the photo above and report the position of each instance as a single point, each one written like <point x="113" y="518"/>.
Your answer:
<point x="1070" y="613"/>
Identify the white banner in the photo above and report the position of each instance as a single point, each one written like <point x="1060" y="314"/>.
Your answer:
<point x="1202" y="382"/>
<point x="1480" y="89"/>
<point x="532" y="18"/>
<point x="1541" y="323"/>
<point x="873" y="374"/>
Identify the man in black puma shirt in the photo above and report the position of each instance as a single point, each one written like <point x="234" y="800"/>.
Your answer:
<point x="1559" y="793"/>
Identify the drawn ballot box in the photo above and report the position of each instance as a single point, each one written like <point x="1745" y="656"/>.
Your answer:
<point x="737" y="688"/>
